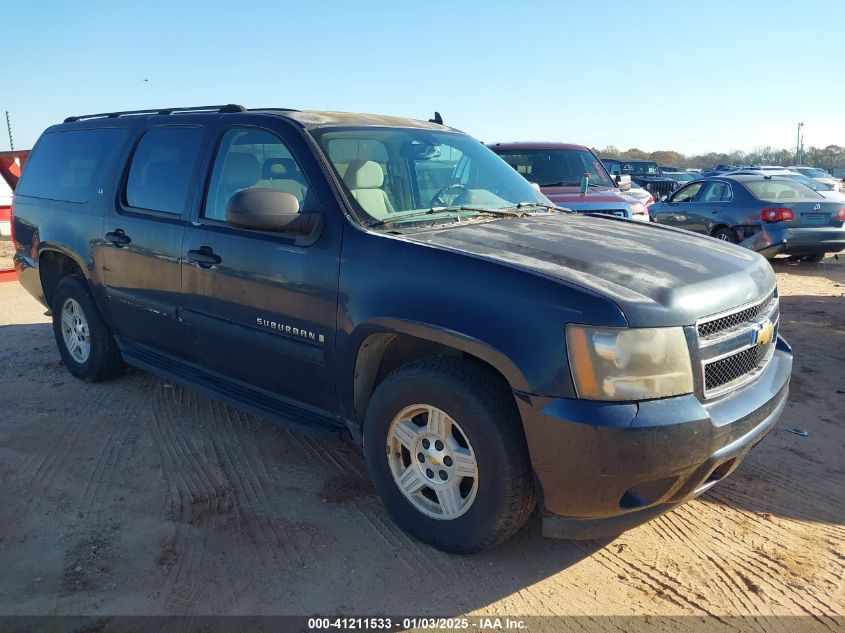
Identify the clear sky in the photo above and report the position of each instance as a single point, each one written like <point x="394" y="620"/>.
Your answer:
<point x="691" y="76"/>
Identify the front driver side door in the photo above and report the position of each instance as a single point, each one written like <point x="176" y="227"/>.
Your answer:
<point x="680" y="208"/>
<point x="261" y="307"/>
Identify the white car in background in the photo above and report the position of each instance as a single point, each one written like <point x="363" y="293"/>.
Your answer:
<point x="638" y="194"/>
<point x="819" y="175"/>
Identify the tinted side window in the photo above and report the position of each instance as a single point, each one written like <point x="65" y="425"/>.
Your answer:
<point x="249" y="158"/>
<point x="687" y="193"/>
<point x="717" y="192"/>
<point x="160" y="173"/>
<point x="67" y="165"/>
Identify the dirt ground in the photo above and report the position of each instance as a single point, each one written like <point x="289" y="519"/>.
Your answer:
<point x="139" y="497"/>
<point x="6" y="252"/>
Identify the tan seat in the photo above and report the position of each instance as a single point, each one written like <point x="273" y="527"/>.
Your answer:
<point x="240" y="171"/>
<point x="364" y="179"/>
<point x="282" y="174"/>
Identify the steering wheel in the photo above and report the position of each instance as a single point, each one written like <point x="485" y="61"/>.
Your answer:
<point x="449" y="191"/>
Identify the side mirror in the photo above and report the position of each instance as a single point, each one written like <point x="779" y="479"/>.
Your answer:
<point x="535" y="187"/>
<point x="265" y="209"/>
<point x="664" y="198"/>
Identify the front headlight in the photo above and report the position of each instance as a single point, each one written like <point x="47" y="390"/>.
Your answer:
<point x="628" y="363"/>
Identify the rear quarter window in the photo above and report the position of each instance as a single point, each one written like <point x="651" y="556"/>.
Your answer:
<point x="67" y="165"/>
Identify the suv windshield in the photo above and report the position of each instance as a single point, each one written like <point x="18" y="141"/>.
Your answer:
<point x="639" y="168"/>
<point x="398" y="174"/>
<point x="557" y="167"/>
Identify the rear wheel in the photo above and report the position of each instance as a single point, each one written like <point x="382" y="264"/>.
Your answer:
<point x="446" y="452"/>
<point x="85" y="342"/>
<point x="726" y="234"/>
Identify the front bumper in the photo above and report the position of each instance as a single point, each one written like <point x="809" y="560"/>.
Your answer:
<point x="602" y="468"/>
<point x="774" y="240"/>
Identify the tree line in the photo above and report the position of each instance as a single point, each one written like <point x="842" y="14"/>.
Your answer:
<point x="830" y="157"/>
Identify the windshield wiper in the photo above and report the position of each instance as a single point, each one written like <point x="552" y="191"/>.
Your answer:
<point x="515" y="210"/>
<point x="528" y="205"/>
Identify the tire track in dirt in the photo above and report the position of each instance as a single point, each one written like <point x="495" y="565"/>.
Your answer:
<point x="187" y="486"/>
<point x="224" y="490"/>
<point x="754" y="525"/>
<point x="734" y="584"/>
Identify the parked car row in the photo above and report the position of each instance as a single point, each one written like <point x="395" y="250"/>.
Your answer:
<point x="773" y="210"/>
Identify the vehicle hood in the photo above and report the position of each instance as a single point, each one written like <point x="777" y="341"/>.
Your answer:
<point x="572" y="198"/>
<point x="658" y="276"/>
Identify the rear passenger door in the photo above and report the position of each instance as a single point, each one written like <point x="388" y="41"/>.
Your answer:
<point x="143" y="238"/>
<point x="260" y="307"/>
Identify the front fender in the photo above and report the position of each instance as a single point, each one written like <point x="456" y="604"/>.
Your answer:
<point x="511" y="318"/>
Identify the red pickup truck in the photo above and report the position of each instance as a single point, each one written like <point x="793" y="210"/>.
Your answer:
<point x="560" y="169"/>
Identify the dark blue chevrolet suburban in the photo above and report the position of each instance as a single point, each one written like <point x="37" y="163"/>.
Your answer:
<point x="396" y="282"/>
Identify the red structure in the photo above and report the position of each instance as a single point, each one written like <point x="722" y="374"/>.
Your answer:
<point x="10" y="171"/>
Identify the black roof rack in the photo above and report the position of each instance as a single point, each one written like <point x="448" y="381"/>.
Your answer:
<point x="272" y="110"/>
<point x="229" y="107"/>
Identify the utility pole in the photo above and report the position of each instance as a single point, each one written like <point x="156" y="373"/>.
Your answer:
<point x="798" y="145"/>
<point x="9" y="128"/>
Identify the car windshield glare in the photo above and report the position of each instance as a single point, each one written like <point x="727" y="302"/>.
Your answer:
<point x="557" y="167"/>
<point x="395" y="172"/>
<point x="773" y="189"/>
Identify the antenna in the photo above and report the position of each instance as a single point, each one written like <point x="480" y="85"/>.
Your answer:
<point x="9" y="128"/>
<point x="437" y="119"/>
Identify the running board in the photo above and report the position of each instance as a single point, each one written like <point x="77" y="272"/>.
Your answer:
<point x="256" y="401"/>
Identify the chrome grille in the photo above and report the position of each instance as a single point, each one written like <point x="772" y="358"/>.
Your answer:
<point x="730" y="350"/>
<point x="734" y="320"/>
<point x="727" y="370"/>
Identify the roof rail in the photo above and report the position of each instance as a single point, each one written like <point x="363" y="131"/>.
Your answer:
<point x="272" y="109"/>
<point x="229" y="107"/>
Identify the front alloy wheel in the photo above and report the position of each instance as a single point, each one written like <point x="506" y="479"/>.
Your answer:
<point x="447" y="454"/>
<point x="432" y="462"/>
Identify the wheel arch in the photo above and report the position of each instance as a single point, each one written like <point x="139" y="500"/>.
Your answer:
<point x="380" y="350"/>
<point x="54" y="265"/>
<point x="717" y="226"/>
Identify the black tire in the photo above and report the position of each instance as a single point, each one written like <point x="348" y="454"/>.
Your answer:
<point x="481" y="403"/>
<point x="813" y="259"/>
<point x="726" y="234"/>
<point x="104" y="360"/>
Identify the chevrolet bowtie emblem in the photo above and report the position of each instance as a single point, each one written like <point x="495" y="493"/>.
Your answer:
<point x="764" y="333"/>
